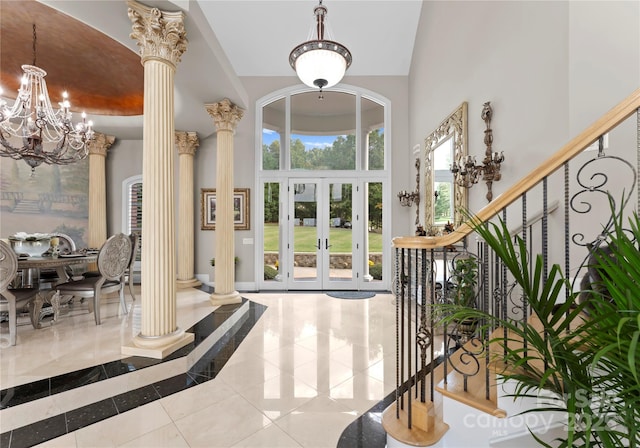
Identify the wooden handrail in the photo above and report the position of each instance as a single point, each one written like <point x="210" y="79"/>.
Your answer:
<point x="604" y="124"/>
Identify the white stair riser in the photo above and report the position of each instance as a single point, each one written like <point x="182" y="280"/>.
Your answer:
<point x="472" y="427"/>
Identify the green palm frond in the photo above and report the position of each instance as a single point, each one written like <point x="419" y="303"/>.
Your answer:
<point x="590" y="360"/>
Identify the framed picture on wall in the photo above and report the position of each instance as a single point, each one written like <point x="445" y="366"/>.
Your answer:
<point x="208" y="207"/>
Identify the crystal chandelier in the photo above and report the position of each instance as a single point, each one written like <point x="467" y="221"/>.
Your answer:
<point x="46" y="135"/>
<point x="320" y="62"/>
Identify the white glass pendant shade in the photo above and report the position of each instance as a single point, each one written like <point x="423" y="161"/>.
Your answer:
<point x="320" y="63"/>
<point x="320" y="68"/>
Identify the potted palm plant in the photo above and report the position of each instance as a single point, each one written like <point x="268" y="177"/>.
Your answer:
<point x="592" y="365"/>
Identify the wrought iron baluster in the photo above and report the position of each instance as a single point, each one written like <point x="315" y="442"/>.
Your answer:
<point x="545" y="254"/>
<point x="504" y="292"/>
<point x="525" y="309"/>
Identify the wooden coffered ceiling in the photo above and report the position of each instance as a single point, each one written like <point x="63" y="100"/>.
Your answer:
<point x="101" y="76"/>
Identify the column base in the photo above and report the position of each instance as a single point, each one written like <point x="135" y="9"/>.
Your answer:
<point x="225" y="299"/>
<point x="157" y="347"/>
<point x="183" y="284"/>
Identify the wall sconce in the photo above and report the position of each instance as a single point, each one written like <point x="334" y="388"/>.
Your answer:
<point x="408" y="198"/>
<point x="465" y="170"/>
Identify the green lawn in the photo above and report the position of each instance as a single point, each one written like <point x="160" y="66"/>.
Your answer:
<point x="306" y="239"/>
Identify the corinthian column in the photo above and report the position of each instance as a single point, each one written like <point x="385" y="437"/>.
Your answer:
<point x="162" y="40"/>
<point x="186" y="142"/>
<point x="225" y="115"/>
<point x="98" y="147"/>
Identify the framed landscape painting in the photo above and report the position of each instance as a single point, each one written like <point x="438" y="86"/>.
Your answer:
<point x="208" y="206"/>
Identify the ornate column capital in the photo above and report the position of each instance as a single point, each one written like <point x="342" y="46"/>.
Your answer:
<point x="225" y="114"/>
<point x="100" y="143"/>
<point x="160" y="34"/>
<point x="187" y="142"/>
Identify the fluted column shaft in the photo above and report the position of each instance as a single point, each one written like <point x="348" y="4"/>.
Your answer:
<point x="158" y="219"/>
<point x="161" y="38"/>
<point x="186" y="142"/>
<point x="98" y="147"/>
<point x="226" y="116"/>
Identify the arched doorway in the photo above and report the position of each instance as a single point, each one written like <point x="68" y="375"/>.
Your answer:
<point x="323" y="176"/>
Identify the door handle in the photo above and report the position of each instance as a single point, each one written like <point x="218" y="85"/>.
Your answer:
<point x="326" y="244"/>
<point x="318" y="246"/>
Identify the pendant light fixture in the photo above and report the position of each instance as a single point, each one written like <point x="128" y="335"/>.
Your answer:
<point x="320" y="62"/>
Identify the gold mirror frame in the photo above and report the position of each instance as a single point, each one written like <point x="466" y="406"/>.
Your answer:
<point x="454" y="126"/>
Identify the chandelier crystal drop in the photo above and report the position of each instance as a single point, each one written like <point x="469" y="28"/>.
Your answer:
<point x="32" y="130"/>
<point x="321" y="62"/>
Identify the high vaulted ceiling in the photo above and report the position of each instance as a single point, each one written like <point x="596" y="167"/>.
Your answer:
<point x="258" y="35"/>
<point x="100" y="74"/>
<point x="97" y="61"/>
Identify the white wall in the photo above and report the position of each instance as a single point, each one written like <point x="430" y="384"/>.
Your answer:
<point x="124" y="159"/>
<point x="604" y="58"/>
<point x="549" y="69"/>
<point x="509" y="53"/>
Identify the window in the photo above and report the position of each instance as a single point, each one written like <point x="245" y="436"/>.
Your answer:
<point x="342" y="132"/>
<point x="132" y="213"/>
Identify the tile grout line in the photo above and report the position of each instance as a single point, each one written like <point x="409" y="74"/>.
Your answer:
<point x="32" y="428"/>
<point x="50" y="387"/>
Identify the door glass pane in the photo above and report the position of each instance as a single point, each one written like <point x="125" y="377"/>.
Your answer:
<point x="272" y="233"/>
<point x="323" y="131"/>
<point x="340" y="242"/>
<point x="273" y="132"/>
<point x="373" y="243"/>
<point x="305" y="234"/>
<point x="373" y="127"/>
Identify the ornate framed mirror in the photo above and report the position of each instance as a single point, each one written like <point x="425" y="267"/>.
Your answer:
<point x="444" y="200"/>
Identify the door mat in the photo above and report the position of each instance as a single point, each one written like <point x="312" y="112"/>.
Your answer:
<point x="351" y="294"/>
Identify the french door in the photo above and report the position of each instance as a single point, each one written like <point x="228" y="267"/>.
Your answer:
<point x="322" y="234"/>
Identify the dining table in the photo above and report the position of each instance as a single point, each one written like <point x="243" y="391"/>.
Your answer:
<point x="49" y="295"/>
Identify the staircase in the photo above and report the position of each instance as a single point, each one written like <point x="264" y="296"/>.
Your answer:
<point x="27" y="206"/>
<point x="464" y="401"/>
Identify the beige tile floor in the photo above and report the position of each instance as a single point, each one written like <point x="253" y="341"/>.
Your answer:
<point x="311" y="365"/>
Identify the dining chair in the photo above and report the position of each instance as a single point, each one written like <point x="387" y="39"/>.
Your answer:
<point x="66" y="243"/>
<point x="113" y="260"/>
<point x="12" y="299"/>
<point x="135" y="246"/>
